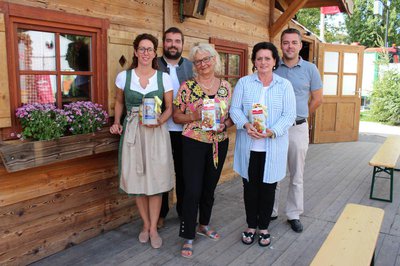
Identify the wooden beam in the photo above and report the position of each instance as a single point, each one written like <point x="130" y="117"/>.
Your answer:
<point x="345" y="6"/>
<point x="271" y="12"/>
<point x="168" y="14"/>
<point x="285" y="17"/>
<point x="283" y="4"/>
<point x="319" y="3"/>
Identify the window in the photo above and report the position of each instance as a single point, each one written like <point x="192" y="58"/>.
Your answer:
<point x="54" y="66"/>
<point x="233" y="58"/>
<point x="59" y="59"/>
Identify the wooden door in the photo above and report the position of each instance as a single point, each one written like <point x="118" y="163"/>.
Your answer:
<point x="337" y="119"/>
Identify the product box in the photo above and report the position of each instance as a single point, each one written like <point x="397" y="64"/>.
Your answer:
<point x="208" y="115"/>
<point x="259" y="117"/>
<point x="149" y="115"/>
<point x="217" y="114"/>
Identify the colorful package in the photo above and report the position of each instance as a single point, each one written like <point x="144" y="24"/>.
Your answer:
<point x="208" y="115"/>
<point x="259" y="117"/>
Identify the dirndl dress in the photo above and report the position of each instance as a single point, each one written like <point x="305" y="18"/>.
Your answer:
<point x="145" y="155"/>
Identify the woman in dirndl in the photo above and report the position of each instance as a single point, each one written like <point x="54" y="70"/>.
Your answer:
<point x="145" y="158"/>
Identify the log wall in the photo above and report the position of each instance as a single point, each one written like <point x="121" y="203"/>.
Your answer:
<point x="49" y="208"/>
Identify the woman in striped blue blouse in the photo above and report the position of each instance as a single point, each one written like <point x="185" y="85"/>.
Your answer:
<point x="261" y="149"/>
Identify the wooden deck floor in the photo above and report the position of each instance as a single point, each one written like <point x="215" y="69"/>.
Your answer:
<point x="335" y="174"/>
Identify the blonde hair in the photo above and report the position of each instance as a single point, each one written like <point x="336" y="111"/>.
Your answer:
<point x="205" y="47"/>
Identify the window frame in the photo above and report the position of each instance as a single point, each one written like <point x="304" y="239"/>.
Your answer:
<point x="38" y="18"/>
<point x="236" y="48"/>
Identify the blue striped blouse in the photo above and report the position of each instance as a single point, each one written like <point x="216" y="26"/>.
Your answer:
<point x="281" y="110"/>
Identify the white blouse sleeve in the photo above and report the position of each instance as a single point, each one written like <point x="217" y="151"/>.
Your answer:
<point x="121" y="80"/>
<point x="167" y="82"/>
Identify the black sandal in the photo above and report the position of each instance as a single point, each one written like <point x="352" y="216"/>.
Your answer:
<point x="250" y="235"/>
<point x="261" y="237"/>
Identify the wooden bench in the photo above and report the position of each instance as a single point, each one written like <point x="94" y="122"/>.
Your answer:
<point x="353" y="238"/>
<point x="384" y="161"/>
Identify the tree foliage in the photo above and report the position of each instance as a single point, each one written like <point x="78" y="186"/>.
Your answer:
<point x="310" y="18"/>
<point x="385" y="98"/>
<point x="365" y="27"/>
<point x="362" y="26"/>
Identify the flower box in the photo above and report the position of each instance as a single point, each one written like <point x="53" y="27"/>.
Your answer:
<point x="19" y="155"/>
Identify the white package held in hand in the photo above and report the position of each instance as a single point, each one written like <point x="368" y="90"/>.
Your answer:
<point x="208" y="115"/>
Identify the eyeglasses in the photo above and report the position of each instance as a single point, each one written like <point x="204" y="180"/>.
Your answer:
<point x="141" y="50"/>
<point x="205" y="60"/>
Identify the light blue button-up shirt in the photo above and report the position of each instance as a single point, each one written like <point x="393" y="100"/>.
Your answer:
<point x="304" y="77"/>
<point x="281" y="114"/>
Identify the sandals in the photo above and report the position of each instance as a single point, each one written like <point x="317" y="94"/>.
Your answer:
<point x="187" y="249"/>
<point x="250" y="235"/>
<point x="206" y="231"/>
<point x="264" y="237"/>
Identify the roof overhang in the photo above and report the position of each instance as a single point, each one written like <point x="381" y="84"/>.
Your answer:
<point x="290" y="8"/>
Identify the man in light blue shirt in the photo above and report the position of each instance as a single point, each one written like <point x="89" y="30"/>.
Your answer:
<point x="180" y="69"/>
<point x="306" y="82"/>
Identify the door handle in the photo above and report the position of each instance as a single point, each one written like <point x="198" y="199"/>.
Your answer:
<point x="359" y="92"/>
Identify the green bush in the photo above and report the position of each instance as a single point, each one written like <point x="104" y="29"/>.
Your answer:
<point x="385" y="98"/>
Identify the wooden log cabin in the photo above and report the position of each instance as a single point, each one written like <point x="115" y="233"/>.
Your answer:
<point x="52" y="200"/>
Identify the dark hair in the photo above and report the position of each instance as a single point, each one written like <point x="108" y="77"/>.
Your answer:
<point x="173" y="30"/>
<point x="290" y="31"/>
<point x="268" y="46"/>
<point x="138" y="39"/>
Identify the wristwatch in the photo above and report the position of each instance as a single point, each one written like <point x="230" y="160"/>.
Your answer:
<point x="273" y="135"/>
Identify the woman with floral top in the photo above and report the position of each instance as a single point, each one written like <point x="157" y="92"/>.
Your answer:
<point x="204" y="151"/>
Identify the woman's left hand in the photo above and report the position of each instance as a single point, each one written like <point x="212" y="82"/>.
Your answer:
<point x="222" y="127"/>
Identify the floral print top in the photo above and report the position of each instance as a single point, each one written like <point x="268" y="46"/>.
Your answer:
<point x="189" y="98"/>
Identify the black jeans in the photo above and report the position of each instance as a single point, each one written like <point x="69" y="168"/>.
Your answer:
<point x="200" y="178"/>
<point x="258" y="196"/>
<point x="176" y="143"/>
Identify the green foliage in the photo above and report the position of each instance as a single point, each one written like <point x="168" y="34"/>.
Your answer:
<point x="385" y="98"/>
<point x="365" y="27"/>
<point x="309" y="17"/>
<point x="367" y="116"/>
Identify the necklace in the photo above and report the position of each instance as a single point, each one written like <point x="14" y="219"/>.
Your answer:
<point x="207" y="88"/>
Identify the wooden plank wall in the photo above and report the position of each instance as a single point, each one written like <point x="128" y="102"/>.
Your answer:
<point x="46" y="209"/>
<point x="5" y="118"/>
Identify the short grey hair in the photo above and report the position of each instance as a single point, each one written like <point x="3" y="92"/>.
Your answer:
<point x="205" y="47"/>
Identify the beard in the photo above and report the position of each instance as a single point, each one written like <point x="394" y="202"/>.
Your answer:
<point x="168" y="54"/>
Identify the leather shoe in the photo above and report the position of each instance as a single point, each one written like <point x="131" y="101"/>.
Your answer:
<point x="296" y="225"/>
<point x="273" y="218"/>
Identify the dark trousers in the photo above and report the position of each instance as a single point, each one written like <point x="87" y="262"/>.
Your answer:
<point x="176" y="143"/>
<point x="258" y="196"/>
<point x="200" y="178"/>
